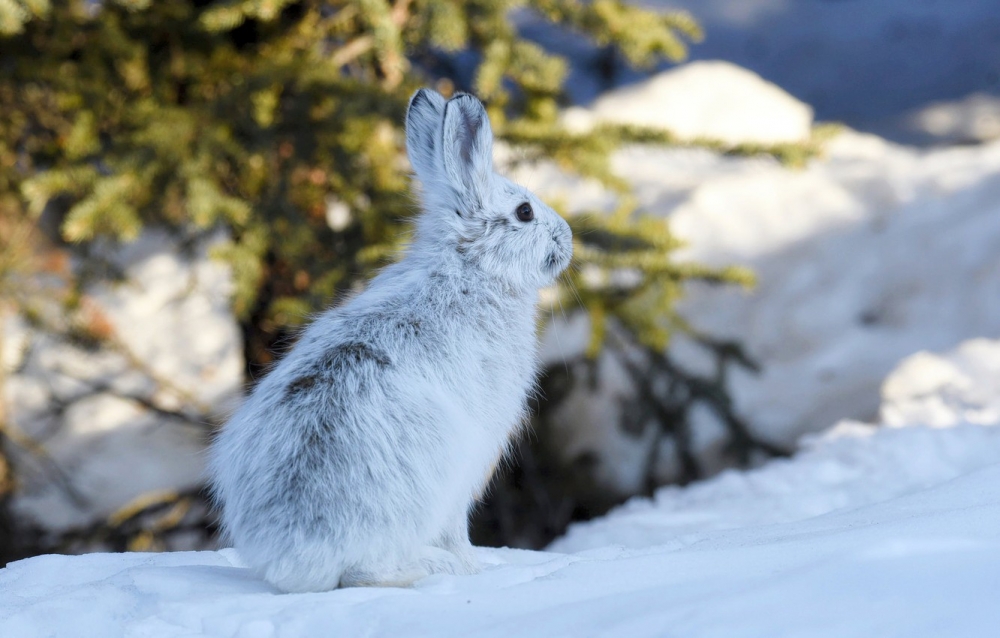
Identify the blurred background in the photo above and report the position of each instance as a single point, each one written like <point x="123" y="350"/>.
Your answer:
<point x="774" y="203"/>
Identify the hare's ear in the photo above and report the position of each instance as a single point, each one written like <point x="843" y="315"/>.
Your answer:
<point x="423" y="133"/>
<point x="467" y="146"/>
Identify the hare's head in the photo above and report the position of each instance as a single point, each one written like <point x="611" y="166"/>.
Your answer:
<point x="485" y="218"/>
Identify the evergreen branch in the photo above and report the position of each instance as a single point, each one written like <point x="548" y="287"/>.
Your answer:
<point x="352" y="50"/>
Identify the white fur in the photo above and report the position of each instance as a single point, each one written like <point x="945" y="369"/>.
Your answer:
<point x="357" y="459"/>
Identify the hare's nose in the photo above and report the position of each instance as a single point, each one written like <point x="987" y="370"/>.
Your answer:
<point x="559" y="238"/>
<point x="563" y="235"/>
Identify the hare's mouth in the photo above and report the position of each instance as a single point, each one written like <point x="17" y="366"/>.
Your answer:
<point x="557" y="261"/>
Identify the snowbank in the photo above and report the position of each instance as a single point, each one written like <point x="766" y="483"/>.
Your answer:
<point x="872" y="252"/>
<point x="969" y="120"/>
<point x="869" y="255"/>
<point x="940" y="414"/>
<point x="868" y="532"/>
<point x="852" y="465"/>
<point x="962" y="386"/>
<point x="109" y="423"/>
<point x="712" y="100"/>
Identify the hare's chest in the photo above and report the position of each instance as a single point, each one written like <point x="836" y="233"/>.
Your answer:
<point x="490" y="373"/>
<point x="504" y="367"/>
<point x="495" y="385"/>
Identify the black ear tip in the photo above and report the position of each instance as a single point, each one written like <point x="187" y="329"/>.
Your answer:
<point x="425" y="98"/>
<point x="466" y="98"/>
<point x="468" y="107"/>
<point x="417" y="98"/>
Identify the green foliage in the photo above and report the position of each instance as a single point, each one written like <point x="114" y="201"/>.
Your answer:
<point x="627" y="272"/>
<point x="262" y="116"/>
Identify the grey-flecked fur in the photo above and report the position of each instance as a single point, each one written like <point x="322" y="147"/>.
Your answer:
<point x="356" y="460"/>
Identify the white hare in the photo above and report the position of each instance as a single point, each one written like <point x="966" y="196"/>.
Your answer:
<point x="357" y="459"/>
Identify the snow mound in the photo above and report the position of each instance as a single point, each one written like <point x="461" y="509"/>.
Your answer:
<point x="944" y="390"/>
<point x="851" y="465"/>
<point x="709" y="100"/>
<point x="969" y="120"/>
<point x="866" y="532"/>
<point x="942" y="412"/>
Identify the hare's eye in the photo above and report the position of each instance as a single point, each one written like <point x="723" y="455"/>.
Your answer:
<point x="524" y="212"/>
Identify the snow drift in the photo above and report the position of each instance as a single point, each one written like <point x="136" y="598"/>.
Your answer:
<point x="703" y="100"/>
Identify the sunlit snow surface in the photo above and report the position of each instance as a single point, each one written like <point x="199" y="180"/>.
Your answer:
<point x="906" y="543"/>
<point x="924" y="564"/>
<point x="867" y="531"/>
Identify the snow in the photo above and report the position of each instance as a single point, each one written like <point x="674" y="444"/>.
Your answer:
<point x="870" y="253"/>
<point x="851" y="465"/>
<point x="969" y="120"/>
<point x="939" y="417"/>
<point x="137" y="408"/>
<point x="923" y="564"/>
<point x="943" y="390"/>
<point x="869" y="531"/>
<point x="712" y="100"/>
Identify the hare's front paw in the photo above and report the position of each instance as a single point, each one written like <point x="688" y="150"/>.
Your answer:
<point x="429" y="561"/>
<point x="453" y="560"/>
<point x="469" y="563"/>
<point x="463" y="550"/>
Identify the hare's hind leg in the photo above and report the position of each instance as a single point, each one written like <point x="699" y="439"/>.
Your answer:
<point x="430" y="560"/>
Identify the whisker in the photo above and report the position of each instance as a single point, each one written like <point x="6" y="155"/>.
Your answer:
<point x="573" y="289"/>
<point x="562" y="351"/>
